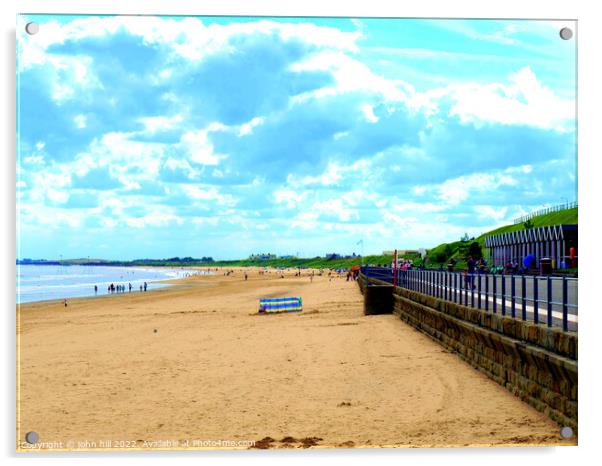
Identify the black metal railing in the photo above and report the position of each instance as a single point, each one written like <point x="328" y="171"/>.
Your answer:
<point x="545" y="210"/>
<point x="540" y="298"/>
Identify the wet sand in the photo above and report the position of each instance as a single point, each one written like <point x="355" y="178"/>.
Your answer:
<point x="194" y="366"/>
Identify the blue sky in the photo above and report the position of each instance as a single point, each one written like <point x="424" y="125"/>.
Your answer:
<point x="156" y="137"/>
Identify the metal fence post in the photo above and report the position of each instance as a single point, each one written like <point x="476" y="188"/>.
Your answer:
<point x="494" y="294"/>
<point x="446" y="286"/>
<point x="472" y="290"/>
<point x="479" y="290"/>
<point x="535" y="299"/>
<point x="432" y="283"/>
<point x="455" y="287"/>
<point x="503" y="295"/>
<point x="523" y="295"/>
<point x="549" y="293"/>
<point x="513" y="297"/>
<point x="487" y="292"/>
<point x="565" y="302"/>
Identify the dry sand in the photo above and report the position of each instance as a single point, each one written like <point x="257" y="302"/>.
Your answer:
<point x="193" y="362"/>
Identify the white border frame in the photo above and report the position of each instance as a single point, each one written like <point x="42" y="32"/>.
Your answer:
<point x="589" y="79"/>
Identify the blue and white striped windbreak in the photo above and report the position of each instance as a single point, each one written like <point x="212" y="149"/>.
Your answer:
<point x="280" y="305"/>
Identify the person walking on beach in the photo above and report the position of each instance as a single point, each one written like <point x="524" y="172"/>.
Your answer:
<point x="140" y="287"/>
<point x="130" y="287"/>
<point x="145" y="285"/>
<point x="95" y="289"/>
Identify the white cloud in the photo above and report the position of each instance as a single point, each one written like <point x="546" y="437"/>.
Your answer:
<point x="212" y="221"/>
<point x="157" y="218"/>
<point x="456" y="190"/>
<point x="524" y="101"/>
<point x="489" y="212"/>
<point x="80" y="121"/>
<point x="34" y="160"/>
<point x="208" y="193"/>
<point x="189" y="38"/>
<point x="419" y="190"/>
<point x="57" y="196"/>
<point x="352" y="75"/>
<point x="48" y="217"/>
<point x="199" y="147"/>
<point x="156" y="124"/>
<point x="247" y="128"/>
<point x="181" y="164"/>
<point x="290" y="197"/>
<point x="368" y="112"/>
<point x="332" y="175"/>
<point x="341" y="207"/>
<point x="118" y="151"/>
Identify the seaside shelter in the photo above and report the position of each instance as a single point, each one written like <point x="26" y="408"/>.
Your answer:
<point x="554" y="242"/>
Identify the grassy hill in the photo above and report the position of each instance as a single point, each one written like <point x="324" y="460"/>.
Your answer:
<point x="440" y="255"/>
<point x="568" y="216"/>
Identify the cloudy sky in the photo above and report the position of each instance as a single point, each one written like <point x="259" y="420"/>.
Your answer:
<point x="156" y="137"/>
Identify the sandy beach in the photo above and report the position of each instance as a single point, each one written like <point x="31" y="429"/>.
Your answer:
<point x="192" y="364"/>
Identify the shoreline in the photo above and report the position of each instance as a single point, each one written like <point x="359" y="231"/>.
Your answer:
<point x="71" y="291"/>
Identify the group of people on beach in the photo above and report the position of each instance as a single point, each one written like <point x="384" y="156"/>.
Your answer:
<point x="119" y="288"/>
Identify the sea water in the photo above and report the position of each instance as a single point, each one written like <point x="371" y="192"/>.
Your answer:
<point x="47" y="282"/>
